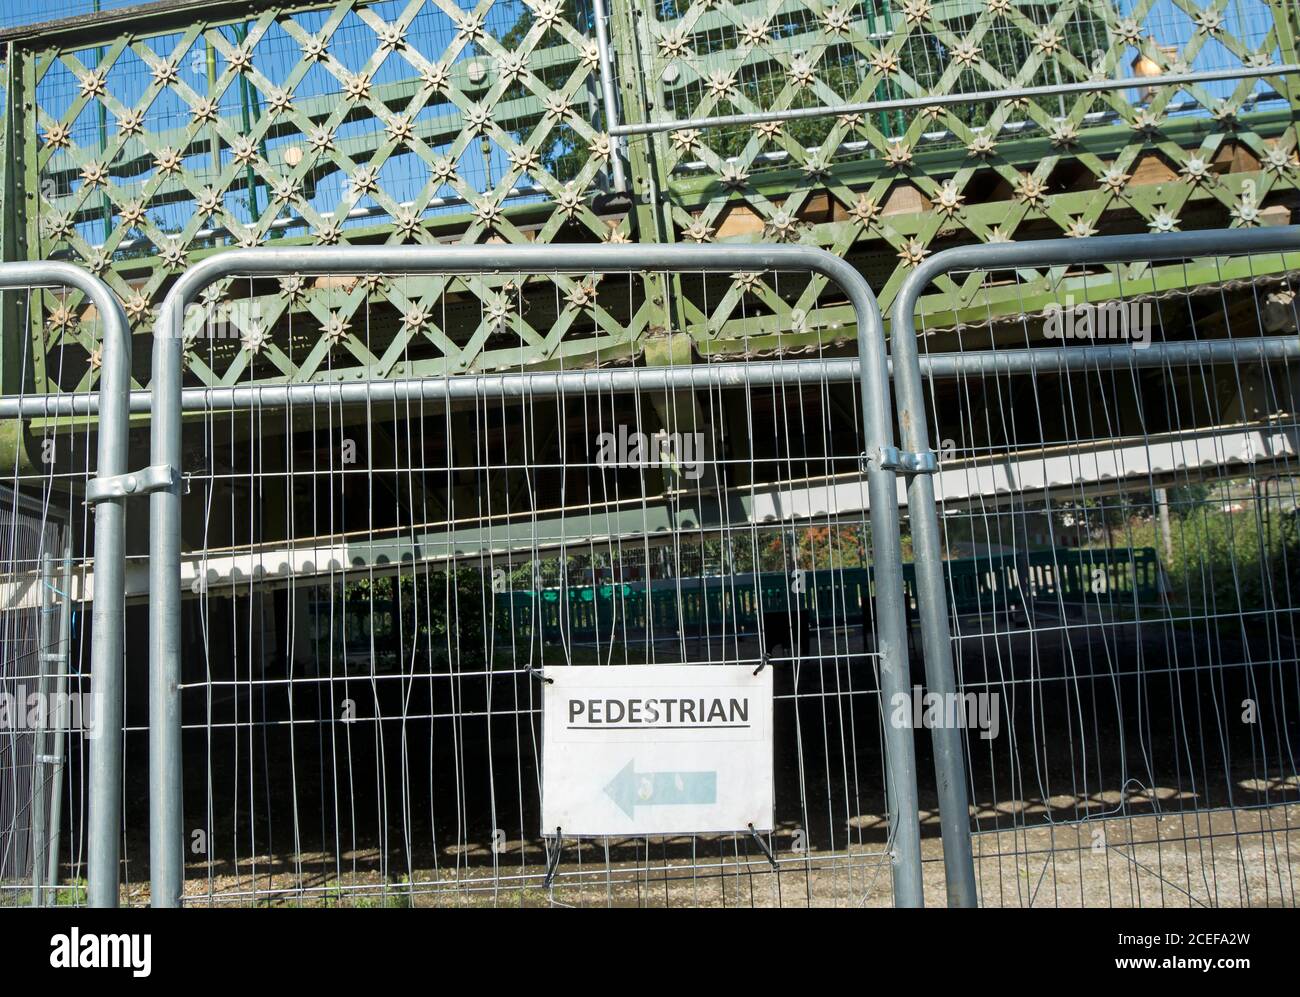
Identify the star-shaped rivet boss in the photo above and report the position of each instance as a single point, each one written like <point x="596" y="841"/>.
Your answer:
<point x="209" y="201"/>
<point x="391" y="37"/>
<point x="755" y="31"/>
<point x="443" y="170"/>
<point x="488" y="212"/>
<point x="406" y="223"/>
<point x="284" y="190"/>
<point x="1031" y="190"/>
<point x="948" y="198"/>
<point x="57" y="135"/>
<point x="916" y="11"/>
<point x="1277" y="159"/>
<point x="416" y="316"/>
<point x="253" y="339"/>
<point x="568" y="201"/>
<point x="817" y="167"/>
<point x="477" y="118"/>
<point x="92" y="84"/>
<point x="965" y="53"/>
<point x="719" y="83"/>
<point x="58" y="225"/>
<point x="546" y="12"/>
<point x="1163" y="221"/>
<point x="783" y="226"/>
<point x="1065" y="135"/>
<point x="1208" y="22"/>
<point x="241" y="59"/>
<point x="435" y="75"/>
<point x="512" y="67"/>
<point x="94" y="175"/>
<point x="169" y="161"/>
<point x="136" y="306"/>
<point x="524" y="160"/>
<point x="314" y="48"/>
<point x="279" y="101"/>
<point x="981" y="145"/>
<point x="898" y="155"/>
<point x="321" y="138"/>
<point x="336" y="327"/>
<point x="356" y="86"/>
<point x="557" y="105"/>
<point x="698" y="231"/>
<point x="294" y="287"/>
<point x="1080" y="228"/>
<point x="329" y="232"/>
<point x="734" y="176"/>
<point x="469" y="26"/>
<point x="865" y="210"/>
<point x="132" y="213"/>
<point x="800" y="73"/>
<point x="685" y="139"/>
<point x="205" y="110"/>
<point x="836" y="20"/>
<point x="164" y="72"/>
<point x="244" y="150"/>
<point x="173" y="254"/>
<point x="1048" y="41"/>
<point x="365" y="180"/>
<point x="672" y="43"/>
<point x="1197" y="171"/>
<point x="912" y="253"/>
<point x="1114" y="179"/>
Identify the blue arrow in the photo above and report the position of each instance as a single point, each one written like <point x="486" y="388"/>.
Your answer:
<point x="631" y="789"/>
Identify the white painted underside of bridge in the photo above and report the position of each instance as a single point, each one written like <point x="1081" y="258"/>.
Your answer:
<point x="1072" y="471"/>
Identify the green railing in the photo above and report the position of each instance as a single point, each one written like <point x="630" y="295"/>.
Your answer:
<point x="720" y="607"/>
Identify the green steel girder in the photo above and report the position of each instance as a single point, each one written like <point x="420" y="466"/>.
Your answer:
<point x="99" y="168"/>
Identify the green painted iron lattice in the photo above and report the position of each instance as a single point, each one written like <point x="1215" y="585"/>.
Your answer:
<point x="135" y="146"/>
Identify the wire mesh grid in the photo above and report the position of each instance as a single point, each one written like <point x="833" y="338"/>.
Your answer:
<point x="48" y="715"/>
<point x="372" y="587"/>
<point x="1121" y="565"/>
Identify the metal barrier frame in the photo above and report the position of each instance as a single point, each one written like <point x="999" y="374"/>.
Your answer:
<point x="108" y="491"/>
<point x="166" y="837"/>
<point x="950" y="768"/>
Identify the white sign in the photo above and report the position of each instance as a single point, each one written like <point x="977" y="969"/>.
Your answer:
<point x="656" y="749"/>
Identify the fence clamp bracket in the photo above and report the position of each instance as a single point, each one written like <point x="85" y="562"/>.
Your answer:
<point x="903" y="461"/>
<point x="151" y="479"/>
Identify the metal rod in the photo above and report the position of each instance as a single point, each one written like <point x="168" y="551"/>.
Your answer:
<point x="546" y="384"/>
<point x="104" y="820"/>
<point x="166" y="834"/>
<point x="950" y="768"/>
<point x="44" y="653"/>
<point x="60" y="694"/>
<point x="944" y="100"/>
<point x="609" y="95"/>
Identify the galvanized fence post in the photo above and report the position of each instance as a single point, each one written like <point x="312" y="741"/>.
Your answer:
<point x="166" y="833"/>
<point x="950" y="768"/>
<point x="108" y="492"/>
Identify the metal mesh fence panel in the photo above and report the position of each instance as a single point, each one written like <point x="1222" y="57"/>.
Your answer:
<point x="1117" y="471"/>
<point x="378" y="577"/>
<point x="60" y="718"/>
